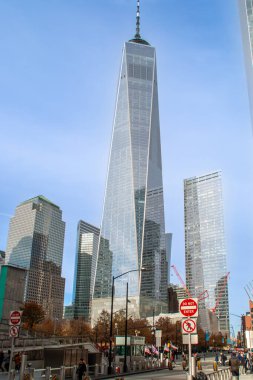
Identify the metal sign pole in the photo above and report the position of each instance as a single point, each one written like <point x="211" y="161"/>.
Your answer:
<point x="11" y="355"/>
<point x="190" y="356"/>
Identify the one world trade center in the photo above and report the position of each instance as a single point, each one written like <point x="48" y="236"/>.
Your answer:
<point x="132" y="233"/>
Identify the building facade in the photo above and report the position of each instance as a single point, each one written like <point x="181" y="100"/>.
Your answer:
<point x="35" y="242"/>
<point x="168" y="245"/>
<point x="205" y="251"/>
<point x="86" y="254"/>
<point x="251" y="312"/>
<point x="12" y="287"/>
<point x="175" y="293"/>
<point x="132" y="230"/>
<point x="68" y="312"/>
<point x="246" y="18"/>
<point x="2" y="259"/>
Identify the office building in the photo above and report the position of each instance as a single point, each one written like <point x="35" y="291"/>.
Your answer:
<point x="251" y="312"/>
<point x="175" y="293"/>
<point x="132" y="232"/>
<point x="168" y="244"/>
<point x="2" y="259"/>
<point x="12" y="287"/>
<point x="35" y="243"/>
<point x="205" y="250"/>
<point x="246" y="18"/>
<point x="86" y="254"/>
<point x="173" y="305"/>
<point x="68" y="312"/>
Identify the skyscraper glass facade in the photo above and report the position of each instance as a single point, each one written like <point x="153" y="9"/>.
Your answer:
<point x="205" y="251"/>
<point x="132" y="232"/>
<point x="86" y="253"/>
<point x="246" y="17"/>
<point x="35" y="242"/>
<point x="168" y="244"/>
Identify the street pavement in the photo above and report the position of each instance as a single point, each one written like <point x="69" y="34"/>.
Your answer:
<point x="177" y="373"/>
<point x="165" y="374"/>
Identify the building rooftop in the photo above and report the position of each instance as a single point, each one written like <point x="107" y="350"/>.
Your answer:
<point x="40" y="198"/>
<point x="137" y="38"/>
<point x="139" y="41"/>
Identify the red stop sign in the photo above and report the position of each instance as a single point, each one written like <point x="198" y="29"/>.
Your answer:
<point x="189" y="307"/>
<point x="15" y="317"/>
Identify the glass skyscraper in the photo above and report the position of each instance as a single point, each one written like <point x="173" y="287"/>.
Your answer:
<point x="205" y="251"/>
<point x="35" y="242"/>
<point x="86" y="253"/>
<point x="168" y="244"/>
<point x="246" y="17"/>
<point x="132" y="231"/>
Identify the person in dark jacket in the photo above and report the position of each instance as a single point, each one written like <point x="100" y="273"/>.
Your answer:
<point x="6" y="361"/>
<point x="17" y="361"/>
<point x="81" y="369"/>
<point x="234" y="365"/>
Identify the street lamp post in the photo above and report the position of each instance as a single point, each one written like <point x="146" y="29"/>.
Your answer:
<point x="112" y="298"/>
<point x="125" y="351"/>
<point x="110" y="347"/>
<point x="242" y="317"/>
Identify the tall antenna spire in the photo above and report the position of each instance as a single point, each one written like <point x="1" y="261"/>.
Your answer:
<point x="137" y="35"/>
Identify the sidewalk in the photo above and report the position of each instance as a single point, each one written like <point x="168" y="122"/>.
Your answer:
<point x="248" y="376"/>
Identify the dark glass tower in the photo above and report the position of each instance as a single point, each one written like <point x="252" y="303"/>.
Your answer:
<point x="205" y="249"/>
<point x="86" y="251"/>
<point x="132" y="231"/>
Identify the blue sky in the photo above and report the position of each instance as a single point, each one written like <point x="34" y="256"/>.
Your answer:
<point x="59" y="68"/>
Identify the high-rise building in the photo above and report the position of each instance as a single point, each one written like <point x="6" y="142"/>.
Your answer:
<point x="12" y="285"/>
<point x="35" y="242"/>
<point x="246" y="17"/>
<point x="205" y="250"/>
<point x="132" y="233"/>
<point x="86" y="254"/>
<point x="175" y="293"/>
<point x="2" y="259"/>
<point x="168" y="244"/>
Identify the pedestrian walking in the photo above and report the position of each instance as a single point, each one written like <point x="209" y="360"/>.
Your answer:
<point x="199" y="366"/>
<point x="17" y="361"/>
<point x="81" y="369"/>
<point x="184" y="362"/>
<point x="234" y="365"/>
<point x="6" y="361"/>
<point x="215" y="366"/>
<point x="250" y="363"/>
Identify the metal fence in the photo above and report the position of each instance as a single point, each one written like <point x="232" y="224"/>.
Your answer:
<point x="95" y="371"/>
<point x="26" y="342"/>
<point x="60" y="373"/>
<point x="223" y="374"/>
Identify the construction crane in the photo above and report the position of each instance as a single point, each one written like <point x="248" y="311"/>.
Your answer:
<point x="248" y="291"/>
<point x="202" y="296"/>
<point x="213" y="309"/>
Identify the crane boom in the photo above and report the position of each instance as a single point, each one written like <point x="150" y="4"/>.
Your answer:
<point x="201" y="297"/>
<point x="181" y="280"/>
<point x="247" y="292"/>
